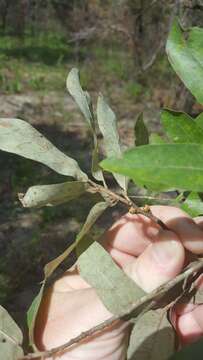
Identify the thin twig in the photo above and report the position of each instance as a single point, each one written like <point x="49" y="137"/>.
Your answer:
<point x="150" y="198"/>
<point x="148" y="302"/>
<point x="114" y="196"/>
<point x="132" y="207"/>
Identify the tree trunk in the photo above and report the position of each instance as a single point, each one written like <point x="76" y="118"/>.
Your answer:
<point x="4" y="6"/>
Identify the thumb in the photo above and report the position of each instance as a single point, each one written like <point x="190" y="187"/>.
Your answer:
<point x="161" y="261"/>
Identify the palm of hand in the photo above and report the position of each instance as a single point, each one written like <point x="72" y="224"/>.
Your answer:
<point x="150" y="256"/>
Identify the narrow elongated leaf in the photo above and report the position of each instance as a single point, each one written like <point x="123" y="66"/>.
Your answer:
<point x="116" y="290"/>
<point x="54" y="194"/>
<point x="95" y="168"/>
<point x="193" y="205"/>
<point x="49" y="268"/>
<point x="11" y="337"/>
<point x="83" y="100"/>
<point x="32" y="314"/>
<point x="19" y="137"/>
<point x="186" y="57"/>
<point x="152" y="337"/>
<point x="81" y="97"/>
<point x="92" y="217"/>
<point x="162" y="295"/>
<point x="188" y="352"/>
<point x="165" y="167"/>
<point x="107" y="124"/>
<point x="181" y="128"/>
<point x="141" y="132"/>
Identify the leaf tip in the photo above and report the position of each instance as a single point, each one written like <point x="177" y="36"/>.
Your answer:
<point x="21" y="198"/>
<point x="72" y="75"/>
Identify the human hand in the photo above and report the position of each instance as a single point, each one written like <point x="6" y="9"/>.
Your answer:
<point x="150" y="256"/>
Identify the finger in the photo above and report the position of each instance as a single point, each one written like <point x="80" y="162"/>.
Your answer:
<point x="189" y="324"/>
<point x="161" y="261"/>
<point x="183" y="225"/>
<point x="129" y="236"/>
<point x="187" y="318"/>
<point x="199" y="221"/>
<point x="121" y="258"/>
<point x="70" y="281"/>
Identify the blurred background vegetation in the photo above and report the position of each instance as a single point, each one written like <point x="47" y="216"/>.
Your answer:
<point x="118" y="46"/>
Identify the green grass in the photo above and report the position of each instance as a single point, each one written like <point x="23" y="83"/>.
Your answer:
<point x="47" y="48"/>
<point x="134" y="89"/>
<point x="114" y="61"/>
<point x="33" y="63"/>
<point x="41" y="64"/>
<point x="19" y="76"/>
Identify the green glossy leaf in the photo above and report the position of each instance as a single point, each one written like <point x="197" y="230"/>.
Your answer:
<point x="185" y="56"/>
<point x="165" y="166"/>
<point x="83" y="100"/>
<point x="156" y="139"/>
<point x="107" y="124"/>
<point x="54" y="194"/>
<point x="49" y="268"/>
<point x="152" y="337"/>
<point x="141" y="132"/>
<point x="181" y="128"/>
<point x="195" y="43"/>
<point x="192" y="351"/>
<point x="11" y="337"/>
<point x="193" y="205"/>
<point x="199" y="120"/>
<point x="19" y="137"/>
<point x="116" y="290"/>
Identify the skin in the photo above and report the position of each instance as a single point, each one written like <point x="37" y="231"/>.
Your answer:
<point x="150" y="256"/>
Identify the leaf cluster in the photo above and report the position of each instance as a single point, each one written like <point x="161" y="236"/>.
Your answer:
<point x="154" y="164"/>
